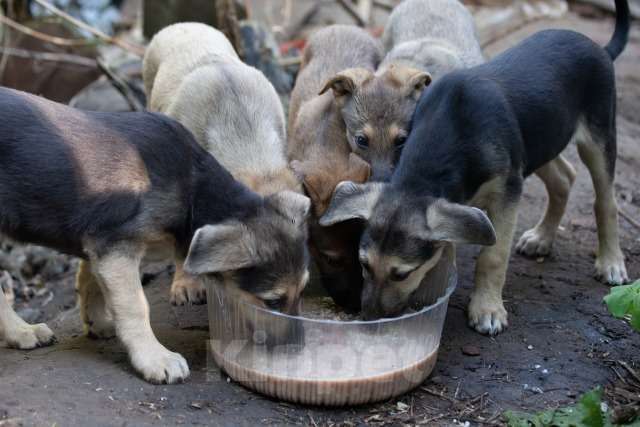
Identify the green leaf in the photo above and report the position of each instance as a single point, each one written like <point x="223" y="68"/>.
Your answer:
<point x="586" y="413"/>
<point x="625" y="301"/>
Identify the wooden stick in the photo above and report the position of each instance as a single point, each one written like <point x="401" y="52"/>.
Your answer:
<point x="42" y="36"/>
<point x="348" y="7"/>
<point x="121" y="86"/>
<point x="624" y="214"/>
<point x="135" y="49"/>
<point x="49" y="56"/>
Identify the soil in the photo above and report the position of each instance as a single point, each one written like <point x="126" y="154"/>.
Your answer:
<point x="561" y="341"/>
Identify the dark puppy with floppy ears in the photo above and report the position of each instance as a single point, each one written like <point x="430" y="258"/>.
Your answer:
<point x="105" y="187"/>
<point x="477" y="134"/>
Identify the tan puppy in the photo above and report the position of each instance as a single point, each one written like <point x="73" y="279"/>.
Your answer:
<point x="321" y="155"/>
<point x="193" y="74"/>
<point x="376" y="108"/>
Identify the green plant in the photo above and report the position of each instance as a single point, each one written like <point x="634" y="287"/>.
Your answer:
<point x="587" y="412"/>
<point x="624" y="302"/>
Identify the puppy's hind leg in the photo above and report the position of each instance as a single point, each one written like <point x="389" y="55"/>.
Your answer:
<point x="117" y="271"/>
<point x="558" y="176"/>
<point x="487" y="314"/>
<point x="598" y="152"/>
<point x="19" y="334"/>
<point x="96" y="318"/>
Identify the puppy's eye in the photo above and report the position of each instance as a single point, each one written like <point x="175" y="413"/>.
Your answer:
<point x="362" y="141"/>
<point x="399" y="277"/>
<point x="400" y="141"/>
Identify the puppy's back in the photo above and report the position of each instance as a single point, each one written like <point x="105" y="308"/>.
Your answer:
<point x="177" y="50"/>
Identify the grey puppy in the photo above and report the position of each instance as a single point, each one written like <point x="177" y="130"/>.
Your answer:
<point x="437" y="36"/>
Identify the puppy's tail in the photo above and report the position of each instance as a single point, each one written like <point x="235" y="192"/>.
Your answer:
<point x="621" y="34"/>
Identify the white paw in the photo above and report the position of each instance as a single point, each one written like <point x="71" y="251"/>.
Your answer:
<point x="611" y="269"/>
<point x="158" y="365"/>
<point x="487" y="315"/>
<point x="535" y="242"/>
<point x="188" y="290"/>
<point x="27" y="337"/>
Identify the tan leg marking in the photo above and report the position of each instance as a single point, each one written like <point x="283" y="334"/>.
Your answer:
<point x="97" y="320"/>
<point x="486" y="310"/>
<point x="558" y="176"/>
<point x="119" y="278"/>
<point x="610" y="265"/>
<point x="185" y="288"/>
<point x="19" y="334"/>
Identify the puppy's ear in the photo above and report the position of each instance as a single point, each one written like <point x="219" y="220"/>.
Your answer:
<point x="351" y="201"/>
<point x="411" y="80"/>
<point x="452" y="222"/>
<point x="291" y="205"/>
<point x="222" y="247"/>
<point x="347" y="82"/>
<point x="359" y="169"/>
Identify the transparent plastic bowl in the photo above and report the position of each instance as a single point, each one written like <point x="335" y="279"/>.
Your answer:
<point x="329" y="362"/>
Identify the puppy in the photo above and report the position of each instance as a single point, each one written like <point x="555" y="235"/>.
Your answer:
<point x="375" y="108"/>
<point x="478" y="133"/>
<point x="192" y="74"/>
<point x="438" y="36"/>
<point x="106" y="186"/>
<point x="321" y="156"/>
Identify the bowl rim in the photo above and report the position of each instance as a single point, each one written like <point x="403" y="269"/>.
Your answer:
<point x="451" y="287"/>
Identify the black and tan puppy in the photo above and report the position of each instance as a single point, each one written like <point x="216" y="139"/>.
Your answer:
<point x="477" y="134"/>
<point x="106" y="186"/>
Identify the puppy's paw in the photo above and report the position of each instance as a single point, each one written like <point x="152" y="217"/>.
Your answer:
<point x="611" y="269"/>
<point x="101" y="329"/>
<point x="188" y="290"/>
<point x="535" y="243"/>
<point x="28" y="337"/>
<point x="487" y="314"/>
<point x="158" y="365"/>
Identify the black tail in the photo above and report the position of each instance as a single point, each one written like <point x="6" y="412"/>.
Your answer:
<point x="621" y="34"/>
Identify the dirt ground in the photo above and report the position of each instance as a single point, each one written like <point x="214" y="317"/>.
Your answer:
<point x="561" y="341"/>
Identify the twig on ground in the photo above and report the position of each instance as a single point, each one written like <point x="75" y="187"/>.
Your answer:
<point x="440" y="395"/>
<point x="49" y="56"/>
<point x="629" y="369"/>
<point x="312" y="420"/>
<point x="291" y="29"/>
<point x="383" y="5"/>
<point x="60" y="41"/>
<point x="135" y="49"/>
<point x="121" y="86"/>
<point x="631" y="220"/>
<point x="348" y="7"/>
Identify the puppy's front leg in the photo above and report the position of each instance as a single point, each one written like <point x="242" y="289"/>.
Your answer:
<point x="487" y="314"/>
<point x="117" y="271"/>
<point x="186" y="288"/>
<point x="19" y="334"/>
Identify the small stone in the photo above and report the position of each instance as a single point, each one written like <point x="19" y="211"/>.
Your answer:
<point x="403" y="407"/>
<point x="529" y="347"/>
<point x="196" y="405"/>
<point x="470" y="350"/>
<point x="540" y="260"/>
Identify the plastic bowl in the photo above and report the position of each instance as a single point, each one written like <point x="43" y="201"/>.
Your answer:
<point x="329" y="362"/>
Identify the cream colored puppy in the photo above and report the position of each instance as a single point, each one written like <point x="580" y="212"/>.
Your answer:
<point x="193" y="74"/>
